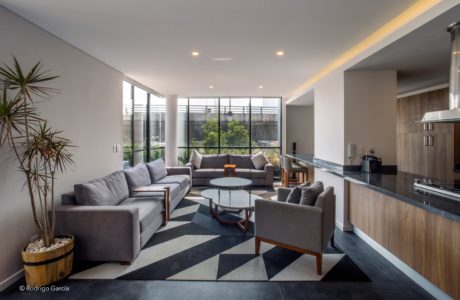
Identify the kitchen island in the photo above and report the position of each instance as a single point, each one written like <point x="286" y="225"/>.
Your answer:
<point x="421" y="230"/>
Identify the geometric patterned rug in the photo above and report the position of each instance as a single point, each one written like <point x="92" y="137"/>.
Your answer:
<point x="194" y="246"/>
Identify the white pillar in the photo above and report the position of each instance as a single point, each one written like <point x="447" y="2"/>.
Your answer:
<point x="171" y="130"/>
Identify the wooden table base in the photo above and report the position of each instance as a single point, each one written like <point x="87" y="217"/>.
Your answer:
<point x="243" y="224"/>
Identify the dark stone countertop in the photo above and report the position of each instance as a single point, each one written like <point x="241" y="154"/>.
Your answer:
<point x="399" y="185"/>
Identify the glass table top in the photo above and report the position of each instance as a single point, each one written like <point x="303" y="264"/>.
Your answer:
<point x="230" y="182"/>
<point x="233" y="199"/>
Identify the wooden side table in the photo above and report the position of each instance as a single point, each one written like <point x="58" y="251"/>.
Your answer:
<point x="229" y="170"/>
<point x="157" y="188"/>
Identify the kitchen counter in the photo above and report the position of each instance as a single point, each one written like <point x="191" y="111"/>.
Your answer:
<point x="399" y="185"/>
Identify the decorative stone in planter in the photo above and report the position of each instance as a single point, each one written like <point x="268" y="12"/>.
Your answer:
<point x="45" y="267"/>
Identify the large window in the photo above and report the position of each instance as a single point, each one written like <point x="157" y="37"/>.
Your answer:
<point x="143" y="125"/>
<point x="235" y="125"/>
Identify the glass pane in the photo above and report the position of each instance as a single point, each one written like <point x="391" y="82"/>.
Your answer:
<point x="265" y="119"/>
<point x="140" y="124"/>
<point x="237" y="151"/>
<point x="182" y="128"/>
<point x="206" y="150"/>
<point x="203" y="122"/>
<point x="127" y="115"/>
<point x="139" y="156"/>
<point x="156" y="153"/>
<point x="182" y="156"/>
<point x="234" y="122"/>
<point x="157" y="123"/>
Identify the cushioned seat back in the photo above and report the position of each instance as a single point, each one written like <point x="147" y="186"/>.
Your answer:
<point x="157" y="170"/>
<point x="214" y="161"/>
<point x="326" y="201"/>
<point x="110" y="190"/>
<point x="137" y="176"/>
<point x="241" y="161"/>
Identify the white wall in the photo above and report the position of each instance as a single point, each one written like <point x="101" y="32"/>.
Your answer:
<point x="300" y="125"/>
<point x="370" y="113"/>
<point x="329" y="118"/>
<point x="88" y="109"/>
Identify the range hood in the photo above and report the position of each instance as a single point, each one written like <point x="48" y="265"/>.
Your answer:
<point x="453" y="113"/>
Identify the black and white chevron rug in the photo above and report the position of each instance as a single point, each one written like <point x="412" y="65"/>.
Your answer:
<point x="194" y="246"/>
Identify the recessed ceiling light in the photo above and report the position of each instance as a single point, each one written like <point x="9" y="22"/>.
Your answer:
<point x="211" y="87"/>
<point x="195" y="53"/>
<point x="280" y="53"/>
<point x="261" y="86"/>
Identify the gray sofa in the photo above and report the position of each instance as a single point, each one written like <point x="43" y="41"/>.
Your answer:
<point x="212" y="166"/>
<point x="110" y="220"/>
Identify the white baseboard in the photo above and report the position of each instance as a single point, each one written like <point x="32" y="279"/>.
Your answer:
<point x="411" y="273"/>
<point x="12" y="279"/>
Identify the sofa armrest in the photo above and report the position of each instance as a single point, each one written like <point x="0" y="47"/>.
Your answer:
<point x="283" y="194"/>
<point x="102" y="233"/>
<point x="269" y="172"/>
<point x="291" y="224"/>
<point x="179" y="170"/>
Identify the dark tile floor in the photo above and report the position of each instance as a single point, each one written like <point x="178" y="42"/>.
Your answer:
<point x="387" y="283"/>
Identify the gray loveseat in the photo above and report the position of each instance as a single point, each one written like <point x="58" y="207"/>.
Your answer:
<point x="212" y="166"/>
<point x="110" y="220"/>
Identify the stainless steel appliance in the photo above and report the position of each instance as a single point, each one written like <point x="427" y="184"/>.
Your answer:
<point x="442" y="189"/>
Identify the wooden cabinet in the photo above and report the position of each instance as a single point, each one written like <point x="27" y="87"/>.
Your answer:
<point x="413" y="155"/>
<point x="427" y="242"/>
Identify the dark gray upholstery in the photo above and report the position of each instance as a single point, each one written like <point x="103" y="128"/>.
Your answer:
<point x="149" y="209"/>
<point x="157" y="170"/>
<point x="296" y="193"/>
<point x="110" y="190"/>
<point x="301" y="226"/>
<point x="205" y="173"/>
<point x="310" y="193"/>
<point x="214" y="161"/>
<point x="242" y="161"/>
<point x="137" y="176"/>
<point x="118" y="232"/>
<point x="283" y="194"/>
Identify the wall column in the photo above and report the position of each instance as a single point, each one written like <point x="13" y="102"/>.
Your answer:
<point x="171" y="131"/>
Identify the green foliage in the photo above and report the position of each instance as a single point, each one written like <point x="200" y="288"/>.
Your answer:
<point x="236" y="134"/>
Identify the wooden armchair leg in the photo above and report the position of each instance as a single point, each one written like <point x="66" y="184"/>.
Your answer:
<point x="319" y="263"/>
<point x="257" y="246"/>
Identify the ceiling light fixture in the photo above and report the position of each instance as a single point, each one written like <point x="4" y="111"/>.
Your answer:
<point x="280" y="53"/>
<point x="261" y="86"/>
<point x="211" y="87"/>
<point x="195" y="53"/>
<point x="222" y="58"/>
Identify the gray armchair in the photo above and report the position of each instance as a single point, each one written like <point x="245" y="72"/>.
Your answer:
<point x="301" y="228"/>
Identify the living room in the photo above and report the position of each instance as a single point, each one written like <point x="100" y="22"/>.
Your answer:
<point x="226" y="149"/>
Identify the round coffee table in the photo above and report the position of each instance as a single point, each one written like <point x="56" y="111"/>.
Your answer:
<point x="225" y="200"/>
<point x="230" y="182"/>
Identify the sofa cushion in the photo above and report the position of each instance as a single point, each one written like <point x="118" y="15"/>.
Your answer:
<point x="259" y="160"/>
<point x="296" y="193"/>
<point x="214" y="161"/>
<point x="241" y="161"/>
<point x="157" y="170"/>
<point x="310" y="193"/>
<point x="195" y="159"/>
<point x="182" y="180"/>
<point x="149" y="209"/>
<point x="109" y="190"/>
<point x="137" y="176"/>
<point x="205" y="173"/>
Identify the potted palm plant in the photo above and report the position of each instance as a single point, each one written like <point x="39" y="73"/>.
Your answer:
<point x="41" y="153"/>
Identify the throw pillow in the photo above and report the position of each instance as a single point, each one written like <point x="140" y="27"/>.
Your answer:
<point x="157" y="170"/>
<point x="137" y="176"/>
<point x="309" y="194"/>
<point x="259" y="160"/>
<point x="196" y="159"/>
<point x="296" y="193"/>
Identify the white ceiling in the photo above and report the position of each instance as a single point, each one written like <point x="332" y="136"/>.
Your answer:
<point x="151" y="41"/>
<point x="422" y="57"/>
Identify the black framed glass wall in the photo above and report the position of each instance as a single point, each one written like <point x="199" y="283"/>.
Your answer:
<point x="234" y="125"/>
<point x="143" y="125"/>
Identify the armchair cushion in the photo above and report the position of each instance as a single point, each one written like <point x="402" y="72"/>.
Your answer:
<point x="196" y="159"/>
<point x="137" y="176"/>
<point x="259" y="160"/>
<point x="296" y="193"/>
<point x="309" y="194"/>
<point x="157" y="170"/>
<point x="109" y="190"/>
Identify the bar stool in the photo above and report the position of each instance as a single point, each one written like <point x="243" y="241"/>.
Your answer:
<point x="288" y="168"/>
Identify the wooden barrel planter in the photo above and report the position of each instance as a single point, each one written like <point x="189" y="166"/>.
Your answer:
<point x="44" y="268"/>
